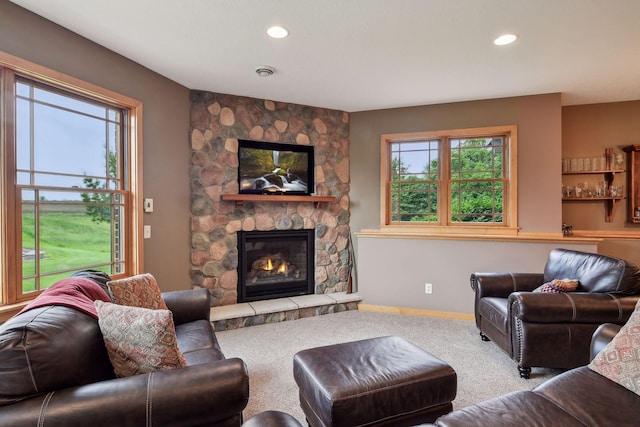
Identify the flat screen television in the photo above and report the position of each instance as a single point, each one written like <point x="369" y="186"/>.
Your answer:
<point x="275" y="168"/>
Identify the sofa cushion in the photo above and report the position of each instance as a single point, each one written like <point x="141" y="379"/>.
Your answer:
<point x="49" y="348"/>
<point x="519" y="408"/>
<point x="579" y="397"/>
<point x="139" y="340"/>
<point x="596" y="273"/>
<point x="620" y="359"/>
<point x="137" y="291"/>
<point x="198" y="343"/>
<point x="591" y="398"/>
<point x="495" y="310"/>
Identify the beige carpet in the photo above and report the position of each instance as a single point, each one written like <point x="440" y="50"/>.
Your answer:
<point x="483" y="370"/>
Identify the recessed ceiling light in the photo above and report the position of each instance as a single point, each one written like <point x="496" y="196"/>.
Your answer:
<point x="505" y="39"/>
<point x="277" y="32"/>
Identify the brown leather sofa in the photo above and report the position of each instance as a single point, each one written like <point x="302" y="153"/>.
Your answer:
<point x="579" y="397"/>
<point x="554" y="330"/>
<point x="55" y="371"/>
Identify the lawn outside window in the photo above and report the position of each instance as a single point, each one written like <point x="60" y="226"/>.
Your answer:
<point x="71" y="193"/>
<point x="457" y="181"/>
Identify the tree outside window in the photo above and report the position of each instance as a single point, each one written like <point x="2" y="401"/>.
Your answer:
<point x="65" y="145"/>
<point x="477" y="180"/>
<point x="71" y="197"/>
<point x="462" y="178"/>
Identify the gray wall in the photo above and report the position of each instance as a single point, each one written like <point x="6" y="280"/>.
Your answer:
<point x="539" y="139"/>
<point x="393" y="271"/>
<point x="586" y="131"/>
<point x="165" y="128"/>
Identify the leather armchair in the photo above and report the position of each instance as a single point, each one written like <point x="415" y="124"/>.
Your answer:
<point x="554" y="330"/>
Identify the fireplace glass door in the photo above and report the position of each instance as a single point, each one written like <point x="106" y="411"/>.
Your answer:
<point x="275" y="264"/>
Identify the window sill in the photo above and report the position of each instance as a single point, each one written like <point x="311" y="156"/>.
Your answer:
<point x="608" y="234"/>
<point x="8" y="311"/>
<point x="472" y="230"/>
<point x="415" y="233"/>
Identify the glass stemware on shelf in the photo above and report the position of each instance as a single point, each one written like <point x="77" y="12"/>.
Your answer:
<point x="585" y="190"/>
<point x="609" y="162"/>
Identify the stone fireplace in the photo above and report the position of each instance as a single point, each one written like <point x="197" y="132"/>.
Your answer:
<point x="217" y="122"/>
<point x="275" y="264"/>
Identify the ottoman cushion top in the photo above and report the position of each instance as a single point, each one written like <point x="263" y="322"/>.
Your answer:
<point x="372" y="379"/>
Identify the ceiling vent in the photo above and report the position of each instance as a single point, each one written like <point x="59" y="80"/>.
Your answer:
<point x="265" y="70"/>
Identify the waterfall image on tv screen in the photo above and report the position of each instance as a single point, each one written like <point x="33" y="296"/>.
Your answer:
<point x="274" y="168"/>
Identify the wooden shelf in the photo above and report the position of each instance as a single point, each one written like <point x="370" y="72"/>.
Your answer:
<point x="609" y="177"/>
<point x="588" y="199"/>
<point x="612" y="171"/>
<point x="241" y="198"/>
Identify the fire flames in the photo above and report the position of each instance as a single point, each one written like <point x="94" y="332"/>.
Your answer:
<point x="282" y="268"/>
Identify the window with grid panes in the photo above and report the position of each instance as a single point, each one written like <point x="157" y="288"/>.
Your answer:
<point x="70" y="185"/>
<point x="461" y="178"/>
<point x="68" y="173"/>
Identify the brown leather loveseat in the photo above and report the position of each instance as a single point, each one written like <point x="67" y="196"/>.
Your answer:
<point x="55" y="371"/>
<point x="553" y="330"/>
<point x="579" y="397"/>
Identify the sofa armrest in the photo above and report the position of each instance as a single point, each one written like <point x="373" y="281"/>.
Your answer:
<point x="189" y="305"/>
<point x="206" y="394"/>
<point x="503" y="284"/>
<point x="571" y="307"/>
<point x="602" y="336"/>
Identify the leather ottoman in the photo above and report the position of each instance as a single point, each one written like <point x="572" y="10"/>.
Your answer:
<point x="378" y="381"/>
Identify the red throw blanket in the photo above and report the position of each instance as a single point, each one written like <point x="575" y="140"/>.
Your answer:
<point x="74" y="292"/>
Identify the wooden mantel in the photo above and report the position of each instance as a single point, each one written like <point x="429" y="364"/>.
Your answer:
<point x="241" y="198"/>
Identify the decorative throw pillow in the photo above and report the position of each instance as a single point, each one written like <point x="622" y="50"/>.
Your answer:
<point x="558" y="285"/>
<point x="139" y="340"/>
<point x="137" y="291"/>
<point x="620" y="359"/>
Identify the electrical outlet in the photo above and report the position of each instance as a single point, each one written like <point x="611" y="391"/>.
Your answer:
<point x="428" y="288"/>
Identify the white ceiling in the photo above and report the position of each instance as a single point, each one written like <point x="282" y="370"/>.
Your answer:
<point x="357" y="55"/>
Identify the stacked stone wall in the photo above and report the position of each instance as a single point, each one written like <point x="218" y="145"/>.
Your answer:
<point x="217" y="122"/>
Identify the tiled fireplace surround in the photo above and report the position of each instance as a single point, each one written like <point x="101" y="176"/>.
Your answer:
<point x="217" y="122"/>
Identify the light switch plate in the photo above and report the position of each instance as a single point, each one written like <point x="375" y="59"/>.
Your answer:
<point x="147" y="231"/>
<point x="148" y="205"/>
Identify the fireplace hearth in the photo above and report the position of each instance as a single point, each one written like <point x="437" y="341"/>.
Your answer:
<point x="275" y="264"/>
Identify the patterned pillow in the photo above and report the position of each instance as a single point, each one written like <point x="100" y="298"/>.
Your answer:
<point x="558" y="285"/>
<point x="137" y="291"/>
<point x="620" y="359"/>
<point x="139" y="340"/>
